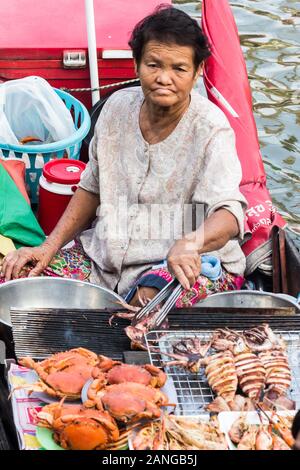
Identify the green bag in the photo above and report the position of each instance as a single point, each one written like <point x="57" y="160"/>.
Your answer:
<point x="17" y="221"/>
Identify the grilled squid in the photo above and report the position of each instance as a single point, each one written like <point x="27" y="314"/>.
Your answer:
<point x="251" y="374"/>
<point x="221" y="375"/>
<point x="278" y="372"/>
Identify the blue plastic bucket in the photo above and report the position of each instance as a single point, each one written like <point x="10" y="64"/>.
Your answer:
<point x="69" y="147"/>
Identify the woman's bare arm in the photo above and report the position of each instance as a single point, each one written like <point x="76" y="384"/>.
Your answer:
<point x="80" y="212"/>
<point x="216" y="231"/>
<point x="78" y="215"/>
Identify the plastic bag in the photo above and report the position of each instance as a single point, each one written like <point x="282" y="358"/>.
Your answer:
<point x="30" y="107"/>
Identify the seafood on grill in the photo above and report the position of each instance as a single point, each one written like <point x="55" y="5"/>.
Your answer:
<point x="264" y="439"/>
<point x="262" y="338"/>
<point x="189" y="353"/>
<point x="277" y="368"/>
<point x="189" y="361"/>
<point x="64" y="374"/>
<point x="238" y="429"/>
<point x="279" y="444"/>
<point x="256" y="339"/>
<point x="283" y="426"/>
<point x="249" y="369"/>
<point x="248" y="439"/>
<point x="239" y="403"/>
<point x="118" y="372"/>
<point x="276" y="435"/>
<point x="78" y="428"/>
<point x="136" y="333"/>
<point x="192" y="346"/>
<point x="251" y="374"/>
<point x="220" y="371"/>
<point x="222" y="375"/>
<point x="180" y="433"/>
<point x="138" y="329"/>
<point x="270" y="400"/>
<point x="274" y="399"/>
<point x="224" y="339"/>
<point x="260" y="364"/>
<point x="118" y="392"/>
<point x="128" y="401"/>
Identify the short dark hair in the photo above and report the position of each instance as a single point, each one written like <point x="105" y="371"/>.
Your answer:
<point x="296" y="425"/>
<point x="169" y="25"/>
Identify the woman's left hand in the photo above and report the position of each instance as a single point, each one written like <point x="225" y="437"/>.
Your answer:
<point x="184" y="262"/>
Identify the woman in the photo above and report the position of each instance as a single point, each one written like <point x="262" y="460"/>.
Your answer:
<point x="157" y="151"/>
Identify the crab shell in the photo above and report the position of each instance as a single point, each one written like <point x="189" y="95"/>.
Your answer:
<point x="117" y="372"/>
<point x="127" y="401"/>
<point x="64" y="374"/>
<point x="78" y="428"/>
<point x="145" y="375"/>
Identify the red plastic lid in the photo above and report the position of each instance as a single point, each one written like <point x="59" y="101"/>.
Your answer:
<point x="63" y="171"/>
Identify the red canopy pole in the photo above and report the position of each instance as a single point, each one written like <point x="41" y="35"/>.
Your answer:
<point x="227" y="85"/>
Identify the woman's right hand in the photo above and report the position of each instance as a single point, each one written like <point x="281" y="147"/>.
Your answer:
<point x="39" y="257"/>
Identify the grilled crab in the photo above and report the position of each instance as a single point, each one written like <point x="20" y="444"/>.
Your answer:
<point x="78" y="428"/>
<point x="116" y="372"/>
<point x="64" y="374"/>
<point x="127" y="401"/>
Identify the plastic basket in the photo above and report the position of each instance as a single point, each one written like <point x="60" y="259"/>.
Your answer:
<point x="35" y="156"/>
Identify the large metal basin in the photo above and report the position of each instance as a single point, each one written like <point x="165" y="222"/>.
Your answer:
<point x="249" y="299"/>
<point x="50" y="292"/>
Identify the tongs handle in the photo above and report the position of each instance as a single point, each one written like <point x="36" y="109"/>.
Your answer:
<point x="261" y="410"/>
<point x="164" y="293"/>
<point x="169" y="304"/>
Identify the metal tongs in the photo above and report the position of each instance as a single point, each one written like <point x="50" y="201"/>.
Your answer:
<point x="171" y="292"/>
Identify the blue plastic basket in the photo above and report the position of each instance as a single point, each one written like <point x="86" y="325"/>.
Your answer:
<point x="69" y="147"/>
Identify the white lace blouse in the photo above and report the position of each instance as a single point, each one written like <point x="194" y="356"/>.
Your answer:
<point x="148" y="192"/>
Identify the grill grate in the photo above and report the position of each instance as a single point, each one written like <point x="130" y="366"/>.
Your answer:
<point x="41" y="332"/>
<point x="192" y="390"/>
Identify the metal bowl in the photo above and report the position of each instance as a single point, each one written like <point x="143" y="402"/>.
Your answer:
<point x="51" y="292"/>
<point x="249" y="299"/>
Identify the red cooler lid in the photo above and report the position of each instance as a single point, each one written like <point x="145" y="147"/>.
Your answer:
<point x="63" y="171"/>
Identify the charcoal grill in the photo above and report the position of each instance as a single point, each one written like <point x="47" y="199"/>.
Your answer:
<point x="193" y="391"/>
<point x="41" y="332"/>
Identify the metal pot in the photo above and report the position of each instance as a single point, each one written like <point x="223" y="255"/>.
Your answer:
<point x="249" y="299"/>
<point x="53" y="292"/>
<point x="49" y="292"/>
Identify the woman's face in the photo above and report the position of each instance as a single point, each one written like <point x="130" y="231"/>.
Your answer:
<point x="167" y="73"/>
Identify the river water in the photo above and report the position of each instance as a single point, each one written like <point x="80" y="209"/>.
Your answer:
<point x="270" y="39"/>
